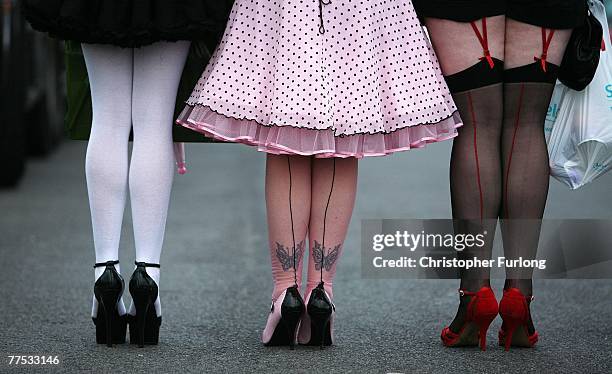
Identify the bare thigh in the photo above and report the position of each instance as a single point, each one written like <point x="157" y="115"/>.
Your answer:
<point x="524" y="43"/>
<point x="457" y="46"/>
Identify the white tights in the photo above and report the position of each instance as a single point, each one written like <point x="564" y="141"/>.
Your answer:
<point x="131" y="89"/>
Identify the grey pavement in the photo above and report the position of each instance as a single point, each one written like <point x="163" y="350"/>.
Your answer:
<point x="216" y="281"/>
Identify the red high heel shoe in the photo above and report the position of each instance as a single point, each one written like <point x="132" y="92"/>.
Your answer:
<point x="514" y="310"/>
<point x="481" y="311"/>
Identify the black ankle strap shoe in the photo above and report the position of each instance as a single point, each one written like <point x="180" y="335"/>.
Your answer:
<point x="144" y="326"/>
<point x="108" y="289"/>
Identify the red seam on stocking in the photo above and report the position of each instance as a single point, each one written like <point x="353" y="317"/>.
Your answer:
<point x="476" y="156"/>
<point x="516" y="127"/>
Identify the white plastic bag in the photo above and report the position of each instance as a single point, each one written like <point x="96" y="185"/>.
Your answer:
<point x="579" y="123"/>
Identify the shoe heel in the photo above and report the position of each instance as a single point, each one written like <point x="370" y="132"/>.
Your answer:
<point x="511" y="324"/>
<point x="513" y="318"/>
<point x="284" y="319"/>
<point x="319" y="324"/>
<point x="487" y="309"/>
<point x="483" y="326"/>
<point x="108" y="302"/>
<point x="108" y="289"/>
<point x="320" y="309"/>
<point x="142" y="302"/>
<point x="291" y="319"/>
<point x="514" y="311"/>
<point x="144" y="328"/>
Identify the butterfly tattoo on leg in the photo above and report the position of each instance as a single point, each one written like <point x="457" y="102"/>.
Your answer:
<point x="322" y="260"/>
<point x="289" y="260"/>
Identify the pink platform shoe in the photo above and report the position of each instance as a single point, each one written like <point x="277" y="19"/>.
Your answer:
<point x="317" y="325"/>
<point x="284" y="318"/>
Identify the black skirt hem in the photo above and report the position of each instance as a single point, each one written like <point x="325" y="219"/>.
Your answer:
<point x="130" y="33"/>
<point x="552" y="14"/>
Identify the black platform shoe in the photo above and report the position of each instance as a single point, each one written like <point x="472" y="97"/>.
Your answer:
<point x="108" y="289"/>
<point x="144" y="326"/>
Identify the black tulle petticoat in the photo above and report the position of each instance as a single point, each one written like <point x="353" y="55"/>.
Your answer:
<point x="128" y="23"/>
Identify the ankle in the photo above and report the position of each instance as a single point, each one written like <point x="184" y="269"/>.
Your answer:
<point x="98" y="271"/>
<point x="327" y="286"/>
<point x="279" y="288"/>
<point x="474" y="285"/>
<point x="523" y="285"/>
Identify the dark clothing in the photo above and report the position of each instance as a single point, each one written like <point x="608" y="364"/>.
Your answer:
<point x="552" y="14"/>
<point x="128" y="23"/>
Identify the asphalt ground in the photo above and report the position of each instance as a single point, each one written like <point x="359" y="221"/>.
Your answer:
<point x="216" y="280"/>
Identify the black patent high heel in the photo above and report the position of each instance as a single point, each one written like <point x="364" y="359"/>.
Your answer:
<point x="291" y="310"/>
<point x="320" y="310"/>
<point x="144" y="326"/>
<point x="108" y="289"/>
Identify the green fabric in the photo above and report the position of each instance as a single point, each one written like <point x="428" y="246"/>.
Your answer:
<point x="79" y="113"/>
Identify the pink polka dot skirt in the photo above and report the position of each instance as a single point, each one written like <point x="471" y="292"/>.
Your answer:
<point x="348" y="78"/>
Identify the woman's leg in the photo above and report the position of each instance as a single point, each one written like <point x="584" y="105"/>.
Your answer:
<point x="157" y="73"/>
<point x="334" y="187"/>
<point x="288" y="194"/>
<point x="106" y="166"/>
<point x="288" y="207"/>
<point x="527" y="90"/>
<point x="475" y="171"/>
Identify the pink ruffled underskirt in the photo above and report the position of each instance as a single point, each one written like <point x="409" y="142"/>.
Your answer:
<point x="289" y="140"/>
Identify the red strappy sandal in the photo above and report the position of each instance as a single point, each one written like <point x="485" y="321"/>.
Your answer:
<point x="481" y="311"/>
<point x="514" y="311"/>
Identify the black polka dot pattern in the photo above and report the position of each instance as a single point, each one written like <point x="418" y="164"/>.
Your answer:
<point x="372" y="70"/>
